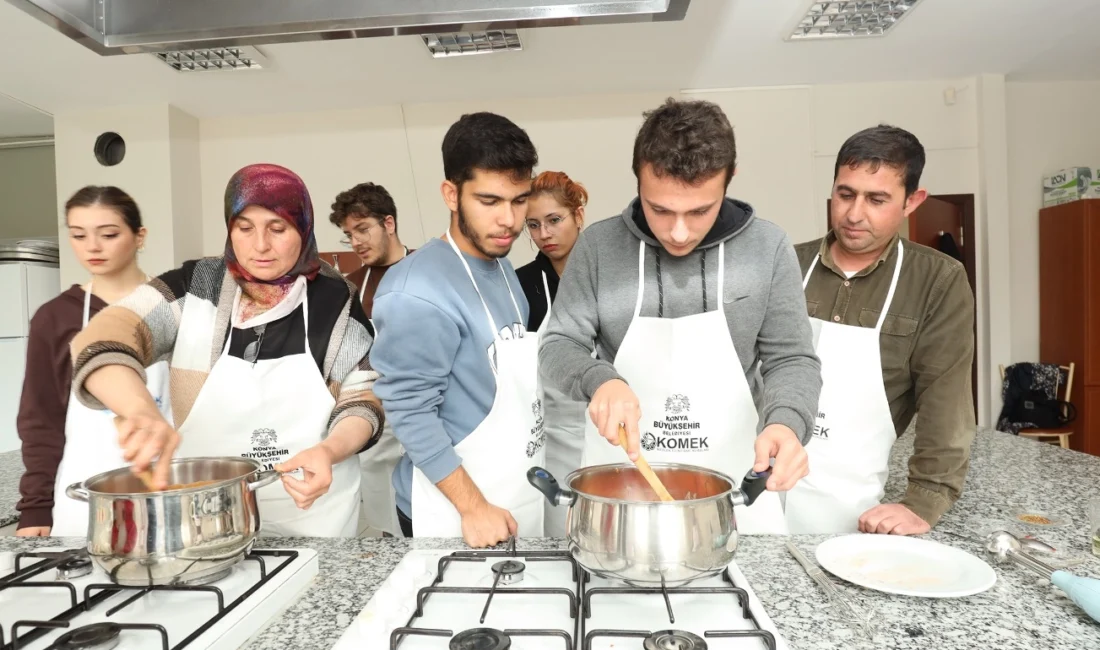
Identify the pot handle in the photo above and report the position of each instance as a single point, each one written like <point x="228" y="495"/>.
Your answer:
<point x="264" y="478"/>
<point x="545" y="482"/>
<point x="77" y="491"/>
<point x="752" y="486"/>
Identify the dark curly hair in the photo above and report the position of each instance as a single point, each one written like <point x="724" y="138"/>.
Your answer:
<point x="690" y="141"/>
<point x="363" y="200"/>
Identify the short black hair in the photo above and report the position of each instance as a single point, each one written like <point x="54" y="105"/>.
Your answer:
<point x="363" y="200"/>
<point x="884" y="145"/>
<point x="489" y="142"/>
<point x="689" y="140"/>
<point x="109" y="197"/>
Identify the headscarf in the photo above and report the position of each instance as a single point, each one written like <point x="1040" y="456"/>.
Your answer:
<point x="283" y="192"/>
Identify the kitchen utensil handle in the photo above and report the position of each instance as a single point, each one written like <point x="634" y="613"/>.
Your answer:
<point x="646" y="470"/>
<point x="77" y="491"/>
<point x="752" y="486"/>
<point x="264" y="479"/>
<point x="1083" y="591"/>
<point x="545" y="482"/>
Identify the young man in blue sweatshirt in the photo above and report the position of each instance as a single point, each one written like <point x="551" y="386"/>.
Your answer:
<point x="458" y="368"/>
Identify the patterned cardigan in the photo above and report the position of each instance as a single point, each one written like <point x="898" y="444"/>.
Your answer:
<point x="184" y="316"/>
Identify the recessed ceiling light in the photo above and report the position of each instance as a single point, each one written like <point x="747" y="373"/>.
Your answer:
<point x="216" y="58"/>
<point x="850" y="19"/>
<point x="462" y="43"/>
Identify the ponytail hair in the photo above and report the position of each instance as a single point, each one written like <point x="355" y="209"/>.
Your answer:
<point x="565" y="190"/>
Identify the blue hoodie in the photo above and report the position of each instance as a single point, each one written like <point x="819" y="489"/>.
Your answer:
<point x="432" y="350"/>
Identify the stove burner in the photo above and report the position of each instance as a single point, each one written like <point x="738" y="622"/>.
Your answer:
<point x="98" y="636"/>
<point x="510" y="571"/>
<point x="74" y="567"/>
<point x="674" y="640"/>
<point x="482" y="638"/>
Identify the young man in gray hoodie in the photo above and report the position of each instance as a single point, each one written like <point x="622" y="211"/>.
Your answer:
<point x="694" y="306"/>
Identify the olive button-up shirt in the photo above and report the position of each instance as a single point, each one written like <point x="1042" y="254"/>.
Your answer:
<point x="927" y="349"/>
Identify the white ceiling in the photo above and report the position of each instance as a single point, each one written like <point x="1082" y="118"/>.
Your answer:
<point x="721" y="44"/>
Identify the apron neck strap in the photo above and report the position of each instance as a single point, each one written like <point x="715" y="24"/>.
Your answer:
<point x="363" y="289"/>
<point x="546" y="288"/>
<point x="893" y="286"/>
<point x="641" y="277"/>
<point x="484" y="305"/>
<point x="87" y="304"/>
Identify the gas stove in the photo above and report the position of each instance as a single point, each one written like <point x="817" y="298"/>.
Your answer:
<point x="57" y="599"/>
<point x="544" y="600"/>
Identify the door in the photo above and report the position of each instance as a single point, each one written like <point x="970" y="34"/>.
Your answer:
<point x="945" y="222"/>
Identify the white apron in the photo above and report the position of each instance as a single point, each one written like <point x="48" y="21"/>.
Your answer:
<point x="376" y="465"/>
<point x="696" y="405"/>
<point x="270" y="410"/>
<point x="498" y="453"/>
<point x="91" y="445"/>
<point x="565" y="419"/>
<point x="854" y="431"/>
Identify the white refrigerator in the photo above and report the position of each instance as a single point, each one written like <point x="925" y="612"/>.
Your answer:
<point x="24" y="287"/>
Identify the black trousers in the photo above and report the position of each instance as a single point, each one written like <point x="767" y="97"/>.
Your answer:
<point x="405" y="522"/>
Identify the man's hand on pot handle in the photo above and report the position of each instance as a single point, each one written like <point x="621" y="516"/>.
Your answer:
<point x="778" y="441"/>
<point x="614" y="403"/>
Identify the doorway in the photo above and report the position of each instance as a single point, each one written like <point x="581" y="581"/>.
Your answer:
<point x="945" y="222"/>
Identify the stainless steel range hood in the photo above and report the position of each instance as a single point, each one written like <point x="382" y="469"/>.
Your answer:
<point x="134" y="26"/>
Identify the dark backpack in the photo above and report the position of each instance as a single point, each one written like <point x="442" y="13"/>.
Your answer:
<point x="1030" y="398"/>
<point x="1035" y="407"/>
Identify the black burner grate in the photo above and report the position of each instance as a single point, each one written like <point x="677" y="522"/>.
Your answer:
<point x="95" y="594"/>
<point x="580" y="600"/>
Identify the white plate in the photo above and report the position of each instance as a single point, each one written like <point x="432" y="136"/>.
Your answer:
<point x="907" y="566"/>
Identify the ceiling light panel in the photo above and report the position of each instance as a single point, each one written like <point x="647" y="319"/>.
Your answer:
<point x="218" y="58"/>
<point x="851" y="19"/>
<point x="463" y="43"/>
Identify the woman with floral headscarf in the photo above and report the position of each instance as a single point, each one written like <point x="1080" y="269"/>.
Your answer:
<point x="267" y="348"/>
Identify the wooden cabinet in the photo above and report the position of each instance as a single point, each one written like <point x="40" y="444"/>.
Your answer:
<point x="1069" y="307"/>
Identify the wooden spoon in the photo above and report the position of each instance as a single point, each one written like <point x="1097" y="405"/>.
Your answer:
<point x="646" y="470"/>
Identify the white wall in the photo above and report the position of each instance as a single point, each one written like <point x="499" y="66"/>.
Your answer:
<point x="1051" y="126"/>
<point x="28" y="187"/>
<point x="144" y="174"/>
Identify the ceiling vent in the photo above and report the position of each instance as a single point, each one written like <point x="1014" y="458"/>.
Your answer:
<point x="463" y="43"/>
<point x="223" y="58"/>
<point x="110" y="27"/>
<point x="851" y="19"/>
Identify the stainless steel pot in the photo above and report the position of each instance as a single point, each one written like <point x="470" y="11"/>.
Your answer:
<point x="186" y="536"/>
<point x="617" y="527"/>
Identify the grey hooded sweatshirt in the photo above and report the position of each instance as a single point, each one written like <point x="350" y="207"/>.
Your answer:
<point x="764" y="304"/>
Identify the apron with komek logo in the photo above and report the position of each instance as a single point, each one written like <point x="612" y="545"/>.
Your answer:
<point x="269" y="411"/>
<point x="696" y="404"/>
<point x="854" y="432"/>
<point x="509" y="441"/>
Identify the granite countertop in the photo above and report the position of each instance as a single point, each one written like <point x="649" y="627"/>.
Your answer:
<point x="11" y="469"/>
<point x="1021" y="612"/>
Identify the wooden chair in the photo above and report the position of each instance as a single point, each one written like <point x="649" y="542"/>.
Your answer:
<point x="1061" y="434"/>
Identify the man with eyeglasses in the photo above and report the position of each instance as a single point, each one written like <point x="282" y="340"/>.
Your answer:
<point x="367" y="215"/>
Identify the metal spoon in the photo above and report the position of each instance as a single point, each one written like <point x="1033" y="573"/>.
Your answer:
<point x="1085" y="592"/>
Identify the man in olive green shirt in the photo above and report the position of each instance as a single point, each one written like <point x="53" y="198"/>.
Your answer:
<point x="878" y="373"/>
